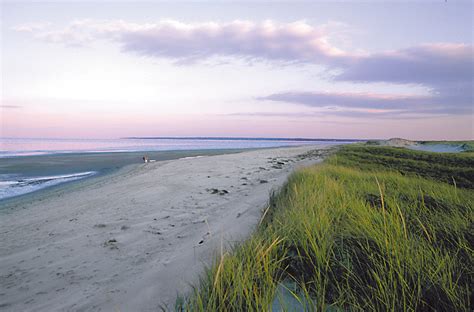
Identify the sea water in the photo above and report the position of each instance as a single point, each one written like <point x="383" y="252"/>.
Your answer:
<point x="10" y="147"/>
<point x="28" y="165"/>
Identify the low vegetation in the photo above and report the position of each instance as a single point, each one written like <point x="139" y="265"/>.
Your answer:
<point x="467" y="146"/>
<point x="453" y="168"/>
<point x="372" y="229"/>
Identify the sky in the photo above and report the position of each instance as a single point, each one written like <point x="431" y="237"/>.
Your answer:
<point x="319" y="69"/>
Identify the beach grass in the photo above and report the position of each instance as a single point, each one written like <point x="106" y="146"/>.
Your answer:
<point x="453" y="168"/>
<point x="467" y="146"/>
<point x="371" y="229"/>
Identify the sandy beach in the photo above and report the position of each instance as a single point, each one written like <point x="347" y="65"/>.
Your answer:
<point x="132" y="240"/>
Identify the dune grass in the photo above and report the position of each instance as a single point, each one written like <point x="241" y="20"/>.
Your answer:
<point x="467" y="146"/>
<point x="452" y="168"/>
<point x="372" y="229"/>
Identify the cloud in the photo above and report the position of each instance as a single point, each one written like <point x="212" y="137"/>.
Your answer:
<point x="32" y="27"/>
<point x="295" y="42"/>
<point x="268" y="40"/>
<point x="445" y="68"/>
<point x="429" y="64"/>
<point x="369" y="100"/>
<point x="378" y="104"/>
<point x="275" y="114"/>
<point x="349" y="100"/>
<point x="337" y="112"/>
<point x="10" y="106"/>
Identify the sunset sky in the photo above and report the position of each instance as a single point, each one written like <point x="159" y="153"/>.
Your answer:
<point x="376" y="69"/>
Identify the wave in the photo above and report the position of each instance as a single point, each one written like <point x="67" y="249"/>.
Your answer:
<point x="19" y="186"/>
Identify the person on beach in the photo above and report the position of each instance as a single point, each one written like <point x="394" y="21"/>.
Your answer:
<point x="145" y="159"/>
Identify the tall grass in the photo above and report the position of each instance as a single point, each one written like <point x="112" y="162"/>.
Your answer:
<point x="352" y="237"/>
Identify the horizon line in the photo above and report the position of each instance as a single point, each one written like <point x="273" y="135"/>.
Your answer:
<point x="235" y="138"/>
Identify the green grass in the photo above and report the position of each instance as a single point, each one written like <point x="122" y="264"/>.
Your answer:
<point x="468" y="146"/>
<point x="453" y="168"/>
<point x="372" y="229"/>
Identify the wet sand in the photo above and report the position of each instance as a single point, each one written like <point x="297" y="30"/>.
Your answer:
<point x="54" y="164"/>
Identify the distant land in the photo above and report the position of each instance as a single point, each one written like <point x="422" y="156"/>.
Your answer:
<point x="243" y="139"/>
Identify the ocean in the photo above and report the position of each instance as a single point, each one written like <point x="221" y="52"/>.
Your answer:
<point x="29" y="165"/>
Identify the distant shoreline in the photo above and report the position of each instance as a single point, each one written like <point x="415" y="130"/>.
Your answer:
<point x="246" y="139"/>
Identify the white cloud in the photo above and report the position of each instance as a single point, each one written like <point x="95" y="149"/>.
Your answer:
<point x="296" y="41"/>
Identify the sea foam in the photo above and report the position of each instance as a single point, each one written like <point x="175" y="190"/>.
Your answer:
<point x="18" y="186"/>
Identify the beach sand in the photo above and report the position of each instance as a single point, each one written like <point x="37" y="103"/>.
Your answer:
<point x="134" y="239"/>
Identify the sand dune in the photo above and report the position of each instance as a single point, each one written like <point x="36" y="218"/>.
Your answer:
<point x="132" y="240"/>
